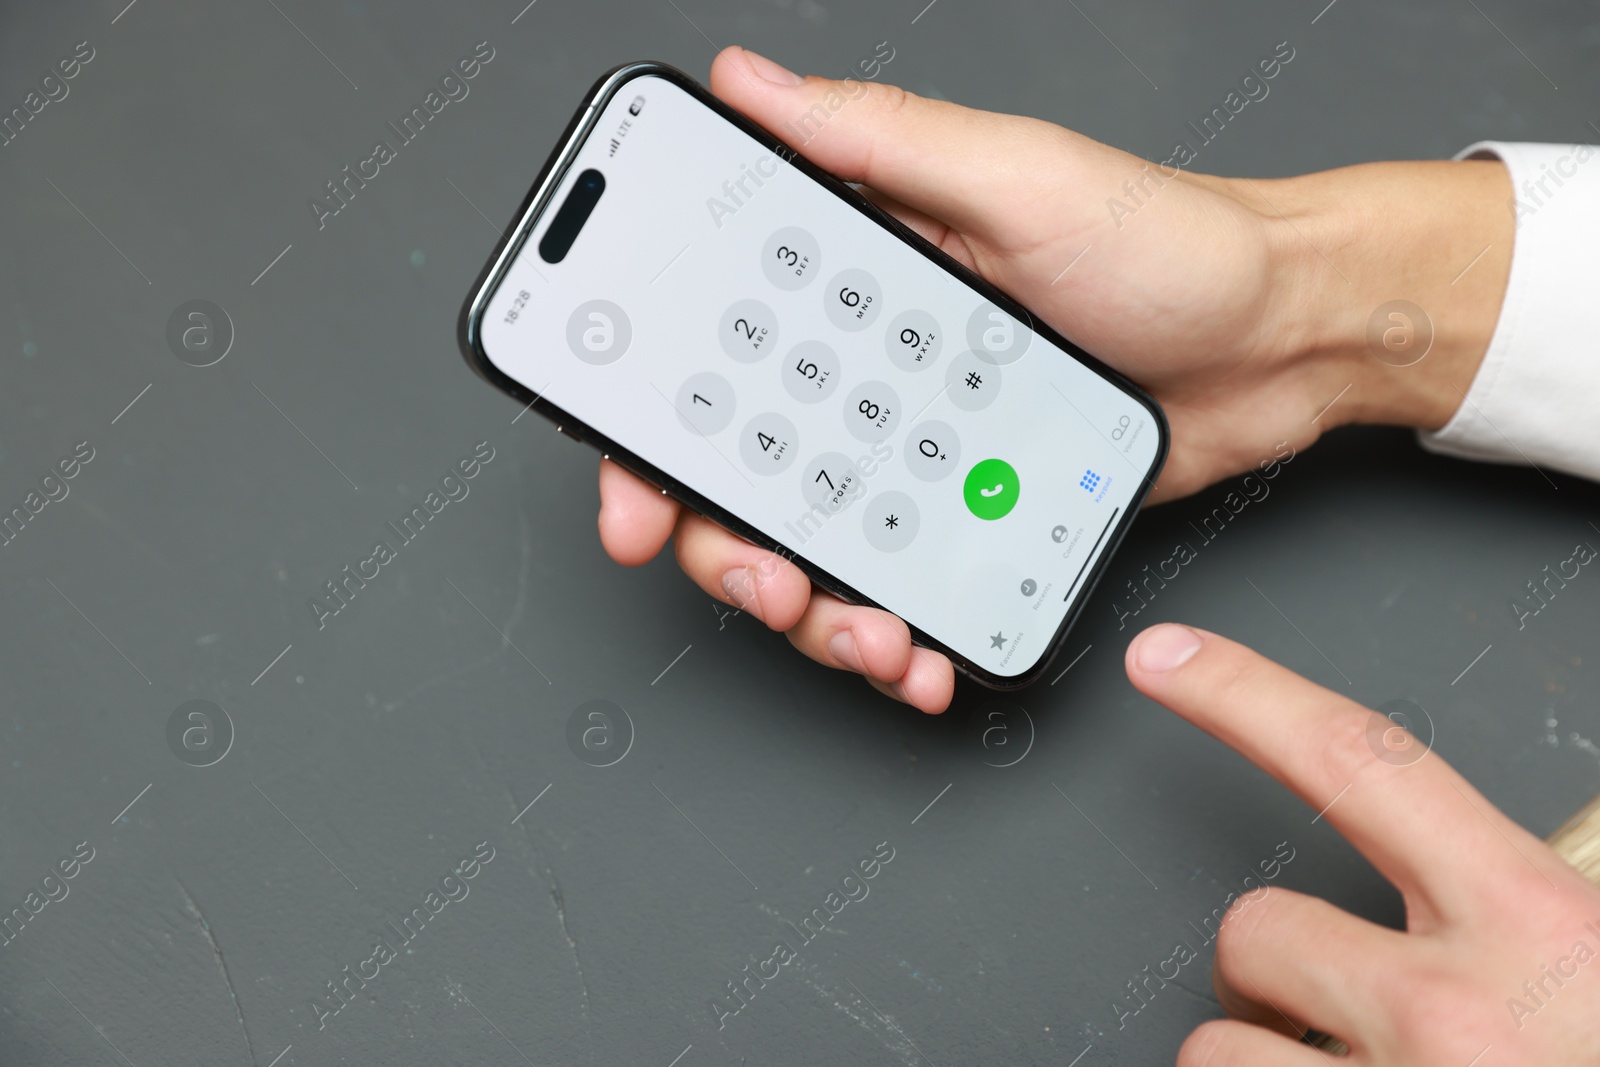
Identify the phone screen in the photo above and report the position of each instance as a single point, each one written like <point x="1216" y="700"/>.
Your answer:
<point x="746" y="330"/>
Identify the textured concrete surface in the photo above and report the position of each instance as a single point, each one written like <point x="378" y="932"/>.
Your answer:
<point x="366" y="761"/>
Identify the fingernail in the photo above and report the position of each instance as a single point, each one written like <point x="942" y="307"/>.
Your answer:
<point x="740" y="586"/>
<point x="1166" y="647"/>
<point x="842" y="646"/>
<point x="767" y="70"/>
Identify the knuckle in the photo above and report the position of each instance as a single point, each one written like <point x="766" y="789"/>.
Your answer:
<point x="696" y="547"/>
<point x="887" y="100"/>
<point x="683" y="548"/>
<point x="1543" y="908"/>
<point x="1347" y="751"/>
<point x="1052" y="138"/>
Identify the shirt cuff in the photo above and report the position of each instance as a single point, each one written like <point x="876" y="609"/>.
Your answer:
<point x="1536" y="397"/>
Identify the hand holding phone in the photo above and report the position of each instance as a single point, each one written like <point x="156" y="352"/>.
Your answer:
<point x="1018" y="201"/>
<point x="1011" y="196"/>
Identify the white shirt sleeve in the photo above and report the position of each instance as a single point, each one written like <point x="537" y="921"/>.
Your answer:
<point x="1536" y="398"/>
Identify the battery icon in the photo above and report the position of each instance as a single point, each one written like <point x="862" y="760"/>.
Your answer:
<point x="637" y="105"/>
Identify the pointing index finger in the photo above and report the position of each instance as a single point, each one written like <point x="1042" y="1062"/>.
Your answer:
<point x="1419" y="822"/>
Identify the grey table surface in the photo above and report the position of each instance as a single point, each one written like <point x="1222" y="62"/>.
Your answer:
<point x="365" y="760"/>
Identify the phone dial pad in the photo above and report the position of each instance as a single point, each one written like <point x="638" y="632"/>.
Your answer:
<point x="812" y="372"/>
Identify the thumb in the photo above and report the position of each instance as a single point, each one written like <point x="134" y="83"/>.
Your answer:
<point x="953" y="163"/>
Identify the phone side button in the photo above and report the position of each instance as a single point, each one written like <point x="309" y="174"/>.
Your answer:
<point x="568" y="433"/>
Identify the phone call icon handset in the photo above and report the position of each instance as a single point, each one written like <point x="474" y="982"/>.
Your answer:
<point x="991" y="489"/>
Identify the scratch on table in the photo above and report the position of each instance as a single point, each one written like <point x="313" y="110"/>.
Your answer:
<point x="559" y="902"/>
<point x="779" y="916"/>
<point x="879" y="1027"/>
<point x="522" y="575"/>
<point x="553" y="886"/>
<point x="194" y="911"/>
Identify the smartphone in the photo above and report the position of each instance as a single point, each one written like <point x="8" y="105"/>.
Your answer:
<point x="719" y="316"/>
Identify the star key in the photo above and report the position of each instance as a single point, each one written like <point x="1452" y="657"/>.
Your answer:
<point x="892" y="521"/>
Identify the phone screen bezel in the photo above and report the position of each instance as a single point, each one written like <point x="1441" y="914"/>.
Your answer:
<point x="538" y="201"/>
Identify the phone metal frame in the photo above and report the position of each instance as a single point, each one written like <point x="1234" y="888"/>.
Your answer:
<point x="538" y="201"/>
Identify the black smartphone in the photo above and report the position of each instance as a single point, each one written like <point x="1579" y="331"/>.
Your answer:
<point x="753" y="336"/>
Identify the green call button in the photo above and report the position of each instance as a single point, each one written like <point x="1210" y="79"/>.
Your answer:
<point x="991" y="489"/>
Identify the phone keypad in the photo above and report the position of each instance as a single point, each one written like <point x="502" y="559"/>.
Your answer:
<point x="812" y="369"/>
